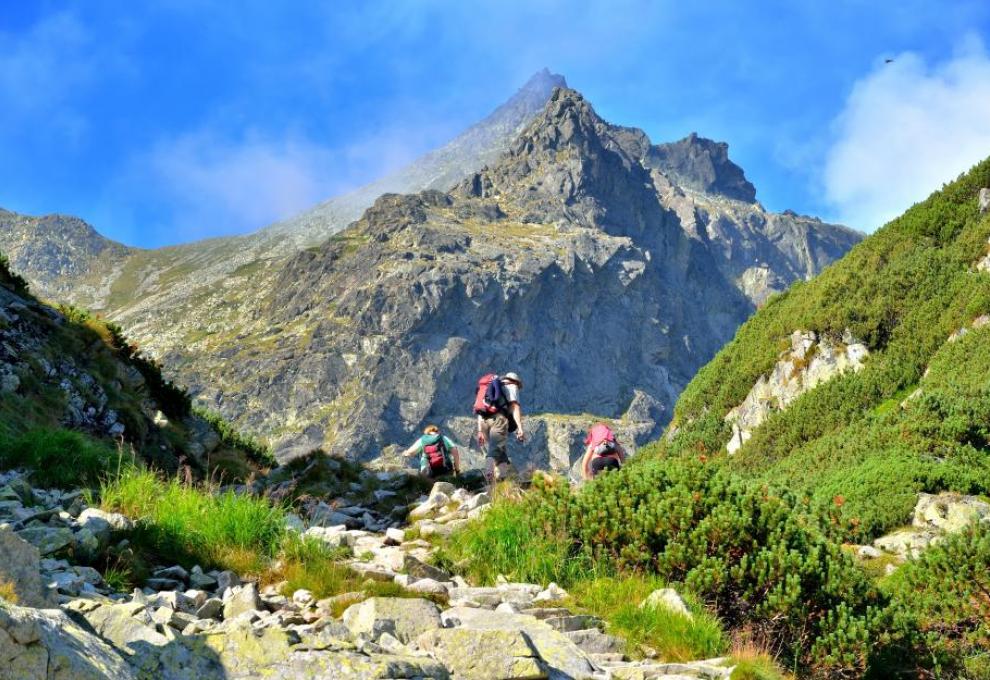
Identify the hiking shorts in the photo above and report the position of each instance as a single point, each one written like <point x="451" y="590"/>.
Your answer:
<point x="496" y="429"/>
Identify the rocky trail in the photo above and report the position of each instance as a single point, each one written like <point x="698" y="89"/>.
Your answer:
<point x="207" y="624"/>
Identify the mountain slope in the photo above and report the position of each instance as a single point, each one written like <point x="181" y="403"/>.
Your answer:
<point x="563" y="260"/>
<point x="912" y="301"/>
<point x="577" y="213"/>
<point x="71" y="386"/>
<point x="479" y="145"/>
<point x="208" y="283"/>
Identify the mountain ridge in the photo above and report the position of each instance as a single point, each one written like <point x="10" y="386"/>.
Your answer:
<point x="573" y="201"/>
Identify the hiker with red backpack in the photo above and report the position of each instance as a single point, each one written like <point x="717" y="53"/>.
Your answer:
<point x="438" y="455"/>
<point x="603" y="452"/>
<point x="496" y="405"/>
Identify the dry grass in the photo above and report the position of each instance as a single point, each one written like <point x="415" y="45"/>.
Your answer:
<point x="7" y="592"/>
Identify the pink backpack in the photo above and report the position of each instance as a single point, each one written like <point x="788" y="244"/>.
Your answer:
<point x="601" y="439"/>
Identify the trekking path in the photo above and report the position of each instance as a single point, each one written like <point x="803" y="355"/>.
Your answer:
<point x="207" y="625"/>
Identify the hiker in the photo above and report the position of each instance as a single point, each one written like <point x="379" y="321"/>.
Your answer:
<point x="496" y="405"/>
<point x="603" y="452"/>
<point x="438" y="455"/>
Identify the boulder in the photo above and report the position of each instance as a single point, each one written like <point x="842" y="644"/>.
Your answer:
<point x="241" y="599"/>
<point x="48" y="540"/>
<point x="445" y="489"/>
<point x="245" y="653"/>
<point x="46" y="644"/>
<point x="948" y="512"/>
<point x="668" y="599"/>
<point x="394" y="536"/>
<point x="563" y="658"/>
<point x="417" y="569"/>
<point x="907" y="543"/>
<point x="484" y="654"/>
<point x="115" y="520"/>
<point x="984" y="200"/>
<point x="409" y="617"/>
<point x="20" y="567"/>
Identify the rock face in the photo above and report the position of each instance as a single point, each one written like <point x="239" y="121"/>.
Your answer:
<point x="935" y="516"/>
<point x="984" y="199"/>
<point x="20" y="567"/>
<point x="603" y="268"/>
<point x="48" y="645"/>
<point x="811" y="360"/>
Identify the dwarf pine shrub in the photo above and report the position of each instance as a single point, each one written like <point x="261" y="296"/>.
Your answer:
<point x="755" y="558"/>
<point x="943" y="599"/>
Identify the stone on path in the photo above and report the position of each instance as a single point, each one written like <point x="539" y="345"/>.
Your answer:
<point x="405" y="618"/>
<point x="484" y="654"/>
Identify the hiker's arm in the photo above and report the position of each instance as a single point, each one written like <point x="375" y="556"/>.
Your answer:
<point x="457" y="459"/>
<point x="517" y="416"/>
<point x="481" y="431"/>
<point x="620" y="450"/>
<point x="585" y="473"/>
<point x="411" y="451"/>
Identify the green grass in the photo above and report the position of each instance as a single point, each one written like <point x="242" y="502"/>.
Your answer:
<point x="674" y="636"/>
<point x="511" y="542"/>
<point x="60" y="458"/>
<point x="192" y="524"/>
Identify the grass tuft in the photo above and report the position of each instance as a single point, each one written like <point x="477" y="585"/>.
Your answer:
<point x="197" y="525"/>
<point x="674" y="636"/>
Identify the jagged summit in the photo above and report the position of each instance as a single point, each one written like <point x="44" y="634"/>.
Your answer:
<point x="703" y="165"/>
<point x="567" y="166"/>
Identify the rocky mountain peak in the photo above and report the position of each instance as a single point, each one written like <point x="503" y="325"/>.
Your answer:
<point x="566" y="166"/>
<point x="703" y="165"/>
<point x="535" y="91"/>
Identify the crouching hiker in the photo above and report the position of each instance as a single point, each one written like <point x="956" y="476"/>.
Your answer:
<point x="496" y="404"/>
<point x="438" y="455"/>
<point x="603" y="452"/>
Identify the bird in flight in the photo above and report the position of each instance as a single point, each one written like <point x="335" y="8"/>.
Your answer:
<point x="888" y="61"/>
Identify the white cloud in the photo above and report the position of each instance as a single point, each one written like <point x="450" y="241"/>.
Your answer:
<point x="907" y="128"/>
<point x="213" y="184"/>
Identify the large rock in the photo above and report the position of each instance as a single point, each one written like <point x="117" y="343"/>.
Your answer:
<point x="241" y="599"/>
<point x="984" y="199"/>
<point x="245" y="653"/>
<point x="405" y="618"/>
<point x="564" y="659"/>
<point x="949" y="512"/>
<point x="20" y="567"/>
<point x="668" y="599"/>
<point x="811" y="360"/>
<point x="48" y="540"/>
<point x="38" y="644"/>
<point x="484" y="654"/>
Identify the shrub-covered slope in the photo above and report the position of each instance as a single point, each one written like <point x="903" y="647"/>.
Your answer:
<point x="916" y="417"/>
<point x="74" y="392"/>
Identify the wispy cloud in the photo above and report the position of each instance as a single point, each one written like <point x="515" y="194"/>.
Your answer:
<point x="908" y="127"/>
<point x="40" y="70"/>
<point x="209" y="183"/>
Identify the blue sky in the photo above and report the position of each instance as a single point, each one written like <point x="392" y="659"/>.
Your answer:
<point x="177" y="120"/>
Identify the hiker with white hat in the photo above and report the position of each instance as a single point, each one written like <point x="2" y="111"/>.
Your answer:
<point x="496" y="405"/>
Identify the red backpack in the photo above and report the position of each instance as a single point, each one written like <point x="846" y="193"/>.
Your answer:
<point x="437" y="455"/>
<point x="488" y="398"/>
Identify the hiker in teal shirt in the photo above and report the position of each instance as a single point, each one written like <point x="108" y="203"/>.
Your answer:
<point x="438" y="455"/>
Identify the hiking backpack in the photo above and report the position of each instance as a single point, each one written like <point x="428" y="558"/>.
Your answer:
<point x="489" y="398"/>
<point x="603" y="438"/>
<point x="437" y="456"/>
